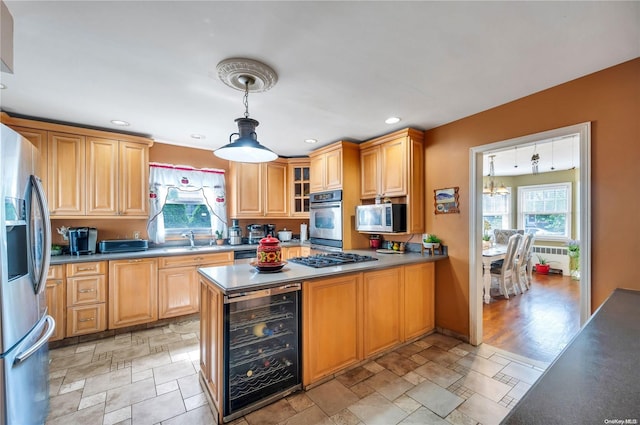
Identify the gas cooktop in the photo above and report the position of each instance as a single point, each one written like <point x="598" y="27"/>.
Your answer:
<point x="331" y="259"/>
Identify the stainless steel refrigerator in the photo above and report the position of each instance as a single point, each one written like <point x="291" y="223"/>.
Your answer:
<point x="25" y="245"/>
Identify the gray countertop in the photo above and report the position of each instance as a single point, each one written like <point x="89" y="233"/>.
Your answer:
<point x="160" y="252"/>
<point x="242" y="277"/>
<point x="595" y="380"/>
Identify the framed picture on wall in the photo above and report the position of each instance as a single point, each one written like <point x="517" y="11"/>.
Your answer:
<point x="446" y="200"/>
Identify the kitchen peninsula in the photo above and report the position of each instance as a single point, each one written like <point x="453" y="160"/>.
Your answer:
<point x="253" y="338"/>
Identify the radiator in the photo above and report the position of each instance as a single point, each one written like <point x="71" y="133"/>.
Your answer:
<point x="557" y="256"/>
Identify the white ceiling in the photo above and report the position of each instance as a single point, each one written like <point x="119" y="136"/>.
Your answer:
<point x="343" y="67"/>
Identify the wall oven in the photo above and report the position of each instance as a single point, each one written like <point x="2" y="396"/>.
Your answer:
<point x="325" y="219"/>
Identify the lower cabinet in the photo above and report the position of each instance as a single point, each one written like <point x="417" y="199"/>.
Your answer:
<point x="349" y="318"/>
<point x="86" y="298"/>
<point x="178" y="283"/>
<point x="383" y="295"/>
<point x="133" y="292"/>
<point x="419" y="305"/>
<point x="295" y="251"/>
<point x="211" y="325"/>
<point x="331" y="337"/>
<point x="55" y="293"/>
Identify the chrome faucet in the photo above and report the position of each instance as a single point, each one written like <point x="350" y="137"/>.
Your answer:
<point x="191" y="237"/>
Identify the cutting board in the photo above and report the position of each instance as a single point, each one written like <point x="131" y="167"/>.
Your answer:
<point x="388" y="251"/>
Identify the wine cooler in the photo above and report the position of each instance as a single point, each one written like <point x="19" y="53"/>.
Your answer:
<point x="262" y="348"/>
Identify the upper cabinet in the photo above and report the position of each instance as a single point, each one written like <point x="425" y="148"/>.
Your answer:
<point x="89" y="172"/>
<point x="118" y="176"/>
<point x="393" y="166"/>
<point x="259" y="190"/>
<point x="299" y="186"/>
<point x="327" y="166"/>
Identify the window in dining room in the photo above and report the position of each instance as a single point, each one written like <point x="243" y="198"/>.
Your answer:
<point x="496" y="209"/>
<point x="545" y="210"/>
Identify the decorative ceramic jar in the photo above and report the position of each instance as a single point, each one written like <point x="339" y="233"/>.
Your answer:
<point x="269" y="252"/>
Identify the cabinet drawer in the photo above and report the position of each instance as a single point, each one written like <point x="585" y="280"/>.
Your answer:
<point x="55" y="272"/>
<point x="86" y="290"/>
<point x="86" y="319"/>
<point x="218" y="258"/>
<point x="84" y="269"/>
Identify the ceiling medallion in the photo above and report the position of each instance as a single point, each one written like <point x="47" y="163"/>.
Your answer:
<point x="233" y="72"/>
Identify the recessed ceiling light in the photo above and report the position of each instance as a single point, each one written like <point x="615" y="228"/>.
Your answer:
<point x="120" y="122"/>
<point x="310" y="140"/>
<point x="392" y="120"/>
<point x="2" y="86"/>
<point x="198" y="136"/>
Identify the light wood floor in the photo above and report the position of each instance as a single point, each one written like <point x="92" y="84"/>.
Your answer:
<point x="537" y="324"/>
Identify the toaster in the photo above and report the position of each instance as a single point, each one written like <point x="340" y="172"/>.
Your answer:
<point x="82" y="240"/>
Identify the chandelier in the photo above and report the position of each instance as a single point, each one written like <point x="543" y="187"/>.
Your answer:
<point x="490" y="187"/>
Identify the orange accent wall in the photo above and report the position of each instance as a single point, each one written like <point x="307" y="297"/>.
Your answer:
<point x="610" y="99"/>
<point x="178" y="155"/>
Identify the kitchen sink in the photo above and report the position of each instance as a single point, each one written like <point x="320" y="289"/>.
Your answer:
<point x="187" y="249"/>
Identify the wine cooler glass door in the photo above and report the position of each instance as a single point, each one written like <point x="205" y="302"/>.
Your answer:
<point x="262" y="341"/>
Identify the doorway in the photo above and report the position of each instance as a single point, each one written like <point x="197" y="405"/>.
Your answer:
<point x="476" y="160"/>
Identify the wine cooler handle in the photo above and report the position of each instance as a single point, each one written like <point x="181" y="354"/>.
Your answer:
<point x="243" y="296"/>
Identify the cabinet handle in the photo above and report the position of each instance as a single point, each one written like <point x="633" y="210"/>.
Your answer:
<point x="89" y="319"/>
<point x="82" y="291"/>
<point x="86" y="269"/>
<point x="135" y="261"/>
<point x="198" y="258"/>
<point x="58" y="282"/>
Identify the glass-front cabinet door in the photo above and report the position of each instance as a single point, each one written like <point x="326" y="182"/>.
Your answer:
<point x="299" y="172"/>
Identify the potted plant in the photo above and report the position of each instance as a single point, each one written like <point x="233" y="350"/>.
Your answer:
<point x="573" y="248"/>
<point x="219" y="237"/>
<point x="542" y="266"/>
<point x="431" y="242"/>
<point x="486" y="241"/>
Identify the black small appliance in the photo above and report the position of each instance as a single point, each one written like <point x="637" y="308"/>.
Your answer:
<point x="82" y="240"/>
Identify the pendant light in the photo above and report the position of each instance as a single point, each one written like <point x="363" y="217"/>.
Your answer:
<point x="246" y="147"/>
<point x="490" y="188"/>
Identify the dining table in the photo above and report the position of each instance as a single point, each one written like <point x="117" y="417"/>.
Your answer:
<point x="489" y="255"/>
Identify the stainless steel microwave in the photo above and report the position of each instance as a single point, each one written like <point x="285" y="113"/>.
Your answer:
<point x="382" y="218"/>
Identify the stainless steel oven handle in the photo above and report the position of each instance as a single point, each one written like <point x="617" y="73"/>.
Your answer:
<point x="325" y="205"/>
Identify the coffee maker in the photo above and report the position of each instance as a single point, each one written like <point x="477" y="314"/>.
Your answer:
<point x="235" y="233"/>
<point x="256" y="232"/>
<point x="270" y="230"/>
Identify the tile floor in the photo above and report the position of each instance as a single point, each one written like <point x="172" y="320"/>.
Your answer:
<point x="150" y="377"/>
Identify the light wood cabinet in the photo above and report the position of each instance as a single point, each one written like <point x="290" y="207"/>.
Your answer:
<point x="66" y="174"/>
<point x="178" y="283"/>
<point x="326" y="167"/>
<point x="299" y="187"/>
<point x="419" y="306"/>
<point x="133" y="292"/>
<point x="117" y="178"/>
<point x="382" y="321"/>
<point x="393" y="166"/>
<point x="86" y="298"/>
<point x="211" y="336"/>
<point x="55" y="293"/>
<point x="295" y="251"/>
<point x="89" y="172"/>
<point x="259" y="190"/>
<point x="332" y="314"/>
<point x="39" y="139"/>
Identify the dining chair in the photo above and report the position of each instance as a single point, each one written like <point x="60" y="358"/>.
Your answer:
<point x="529" y="261"/>
<point x="522" y="260"/>
<point x="501" y="236"/>
<point x="507" y="272"/>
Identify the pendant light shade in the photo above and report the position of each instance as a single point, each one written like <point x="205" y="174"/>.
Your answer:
<point x="241" y="74"/>
<point x="246" y="147"/>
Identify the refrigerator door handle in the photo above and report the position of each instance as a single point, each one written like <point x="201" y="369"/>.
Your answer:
<point x="46" y="241"/>
<point x="51" y="323"/>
